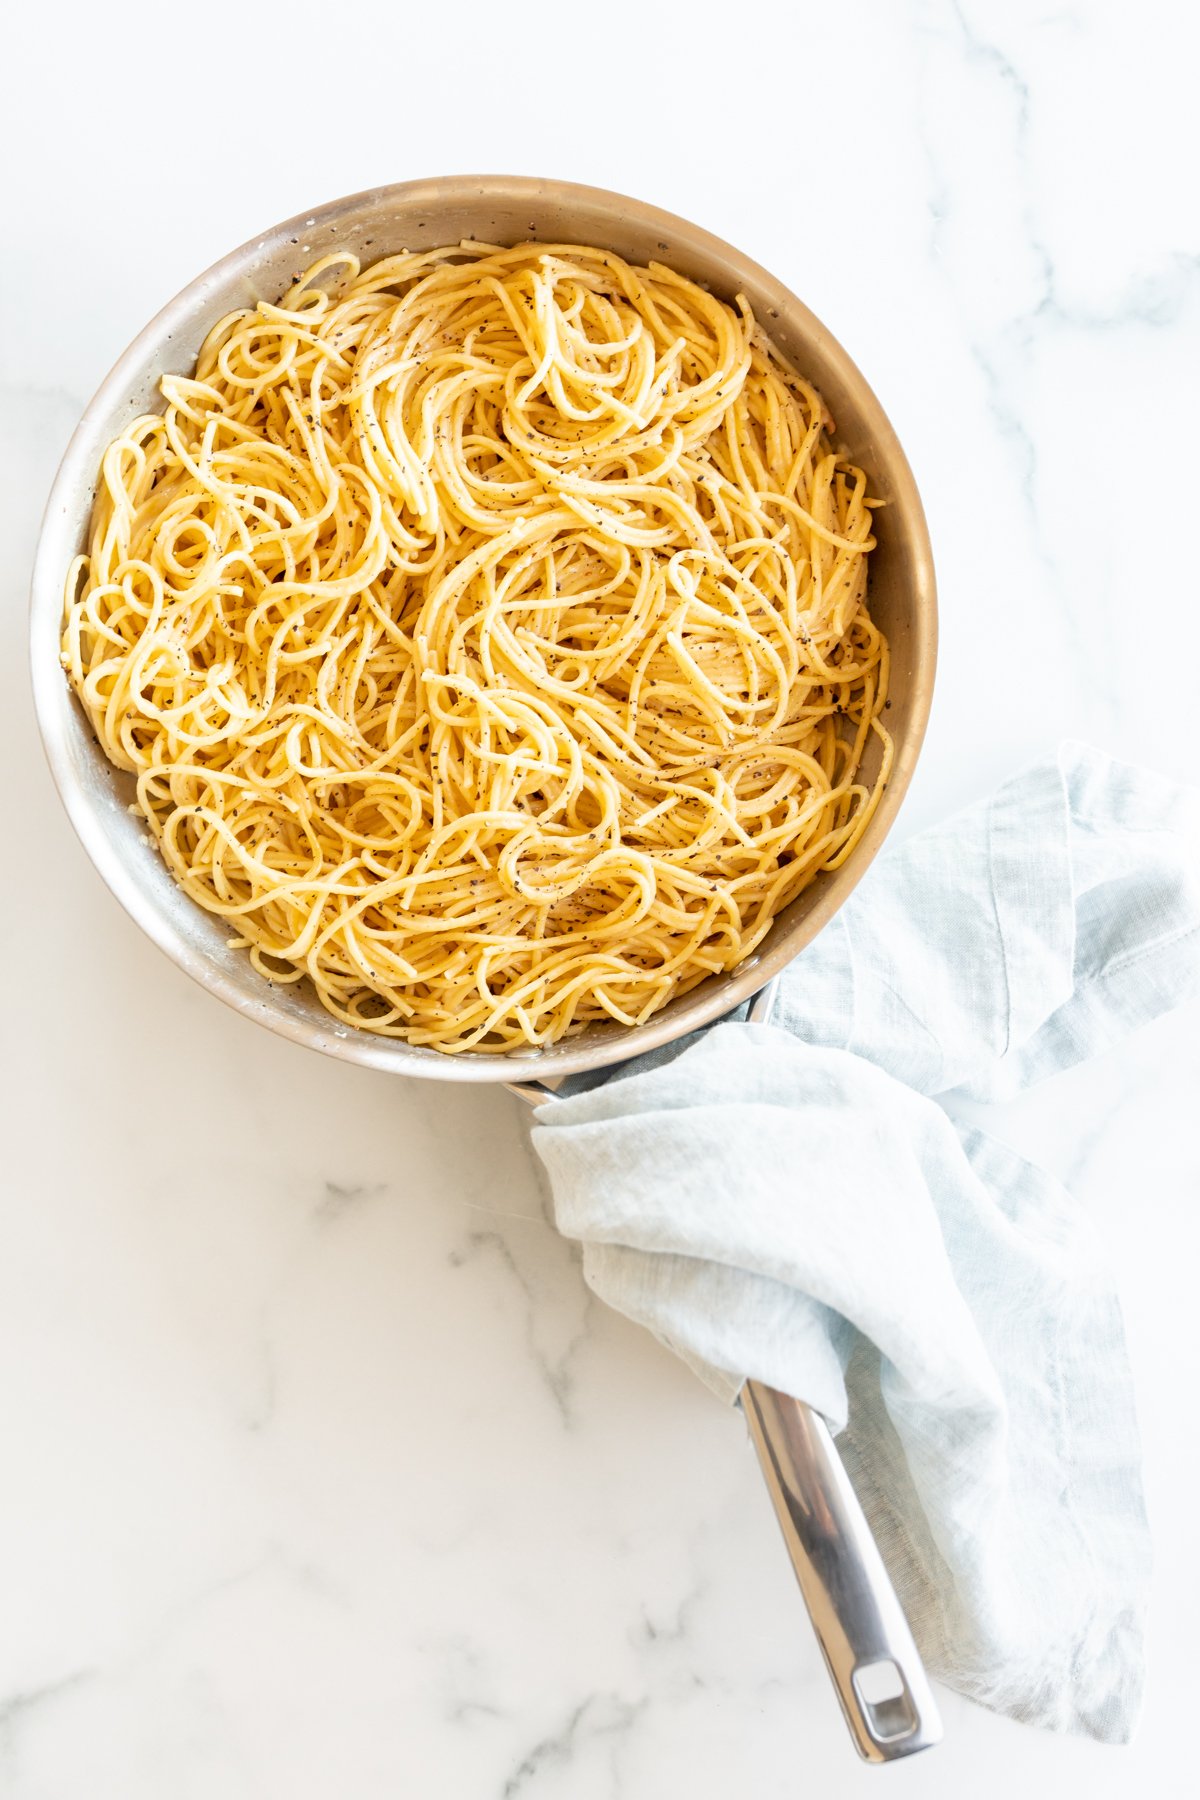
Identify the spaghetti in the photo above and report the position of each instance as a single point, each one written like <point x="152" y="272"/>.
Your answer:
<point x="487" y="633"/>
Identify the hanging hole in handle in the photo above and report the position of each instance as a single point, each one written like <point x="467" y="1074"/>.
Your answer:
<point x="886" y="1702"/>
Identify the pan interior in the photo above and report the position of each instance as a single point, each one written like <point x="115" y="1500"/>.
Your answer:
<point x="377" y="224"/>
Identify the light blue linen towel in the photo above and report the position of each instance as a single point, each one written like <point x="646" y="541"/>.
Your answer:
<point x="791" y="1202"/>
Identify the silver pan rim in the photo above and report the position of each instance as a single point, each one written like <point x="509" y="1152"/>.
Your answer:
<point x="59" y="717"/>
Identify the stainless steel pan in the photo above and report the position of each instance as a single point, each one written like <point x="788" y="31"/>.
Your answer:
<point x="858" y="1620"/>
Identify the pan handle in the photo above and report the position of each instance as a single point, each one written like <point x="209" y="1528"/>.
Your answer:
<point x="864" y="1636"/>
<point x="860" y="1625"/>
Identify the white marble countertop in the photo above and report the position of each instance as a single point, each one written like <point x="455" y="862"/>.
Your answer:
<point x="322" y="1474"/>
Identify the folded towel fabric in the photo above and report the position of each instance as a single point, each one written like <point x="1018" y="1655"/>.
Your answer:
<point x="792" y="1202"/>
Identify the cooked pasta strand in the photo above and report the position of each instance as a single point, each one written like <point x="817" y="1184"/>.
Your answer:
<point x="487" y="633"/>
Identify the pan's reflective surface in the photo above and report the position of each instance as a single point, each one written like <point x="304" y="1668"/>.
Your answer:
<point x="375" y="224"/>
